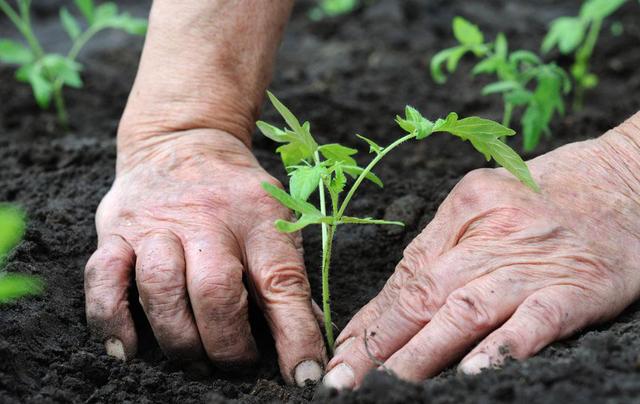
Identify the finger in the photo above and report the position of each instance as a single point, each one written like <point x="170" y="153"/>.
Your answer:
<point x="161" y="280"/>
<point x="434" y="241"/>
<point x="469" y="314"/>
<point x="219" y="300"/>
<point x="278" y="275"/>
<point x="107" y="278"/>
<point x="546" y="316"/>
<point x="414" y="307"/>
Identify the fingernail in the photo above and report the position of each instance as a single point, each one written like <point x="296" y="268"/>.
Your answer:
<point x="475" y="364"/>
<point x="307" y="370"/>
<point x="343" y="346"/>
<point x="340" y="377"/>
<point x="114" y="348"/>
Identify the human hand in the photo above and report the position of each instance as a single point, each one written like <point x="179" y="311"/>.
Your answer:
<point x="188" y="215"/>
<point x="502" y="271"/>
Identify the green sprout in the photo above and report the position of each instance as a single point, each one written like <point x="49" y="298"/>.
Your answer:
<point x="49" y="73"/>
<point x="13" y="286"/>
<point x="579" y="35"/>
<point x="332" y="8"/>
<point x="325" y="168"/>
<point x="516" y="72"/>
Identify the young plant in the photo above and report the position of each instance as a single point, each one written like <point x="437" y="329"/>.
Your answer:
<point x="49" y="73"/>
<point x="579" y="35"/>
<point x="13" y="286"/>
<point x="523" y="79"/>
<point x="332" y="8"/>
<point x="324" y="168"/>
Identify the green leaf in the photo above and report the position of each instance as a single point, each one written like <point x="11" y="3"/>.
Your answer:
<point x="566" y="32"/>
<point x="12" y="226"/>
<point x="335" y="152"/>
<point x="104" y="13"/>
<point x="304" y="181"/>
<point x="69" y="23"/>
<point x="532" y="126"/>
<point x="501" y="47"/>
<point x="300" y="144"/>
<point x="436" y="64"/>
<point x="338" y="180"/>
<point x="486" y="66"/>
<point x="355" y="171"/>
<point x="288" y="116"/>
<point x="475" y="128"/>
<point x="304" y="221"/>
<point x="14" y="286"/>
<point x="290" y="202"/>
<point x="126" y="23"/>
<point x="373" y="146"/>
<point x="600" y="9"/>
<point x="466" y="33"/>
<point x="273" y="133"/>
<point x="501" y="87"/>
<point x="415" y="123"/>
<point x="58" y="66"/>
<point x="14" y="52"/>
<point x="368" y="220"/>
<point x="485" y="136"/>
<point x="454" y="58"/>
<point x="524" y="56"/>
<point x="511" y="161"/>
<point x="87" y="9"/>
<point x="518" y="97"/>
<point x="42" y="88"/>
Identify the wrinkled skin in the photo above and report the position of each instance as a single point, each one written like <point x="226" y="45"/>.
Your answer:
<point x="187" y="214"/>
<point x="502" y="271"/>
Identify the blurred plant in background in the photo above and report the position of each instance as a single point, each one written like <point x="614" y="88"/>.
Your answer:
<point x="579" y="35"/>
<point x="48" y="73"/>
<point x="12" y="285"/>
<point x="332" y="8"/>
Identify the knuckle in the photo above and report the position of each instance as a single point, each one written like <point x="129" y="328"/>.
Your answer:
<point x="545" y="313"/>
<point x="472" y="188"/>
<point x="218" y="288"/>
<point x="284" y="281"/>
<point x="418" y="301"/>
<point x="466" y="310"/>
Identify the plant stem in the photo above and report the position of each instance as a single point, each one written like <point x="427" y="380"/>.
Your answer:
<point x="326" y="260"/>
<point x="582" y="59"/>
<point x="326" y="295"/>
<point x="23" y="24"/>
<point x="367" y="170"/>
<point x="61" y="110"/>
<point x="506" y="116"/>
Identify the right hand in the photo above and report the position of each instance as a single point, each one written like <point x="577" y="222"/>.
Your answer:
<point x="187" y="214"/>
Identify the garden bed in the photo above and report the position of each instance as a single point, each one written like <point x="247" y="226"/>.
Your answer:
<point x="345" y="75"/>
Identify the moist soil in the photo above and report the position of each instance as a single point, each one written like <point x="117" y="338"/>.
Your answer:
<point x="346" y="75"/>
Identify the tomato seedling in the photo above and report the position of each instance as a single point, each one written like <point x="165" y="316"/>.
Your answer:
<point x="13" y="286"/>
<point x="579" y="35"/>
<point x="516" y="72"/>
<point x="48" y="73"/>
<point x="332" y="8"/>
<point x="325" y="168"/>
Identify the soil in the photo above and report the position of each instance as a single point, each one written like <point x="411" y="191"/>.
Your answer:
<point x="346" y="75"/>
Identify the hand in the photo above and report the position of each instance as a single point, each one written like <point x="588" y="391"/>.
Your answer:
<point x="502" y="271"/>
<point x="188" y="215"/>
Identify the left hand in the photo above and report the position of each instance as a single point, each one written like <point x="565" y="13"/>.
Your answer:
<point x="502" y="271"/>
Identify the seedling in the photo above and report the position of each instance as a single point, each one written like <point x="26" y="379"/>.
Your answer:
<point x="579" y="35"/>
<point x="324" y="168"/>
<point x="523" y="79"/>
<point x="332" y="8"/>
<point x="13" y="286"/>
<point x="49" y="73"/>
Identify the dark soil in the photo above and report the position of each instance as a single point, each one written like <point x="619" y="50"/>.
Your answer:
<point x="346" y="75"/>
